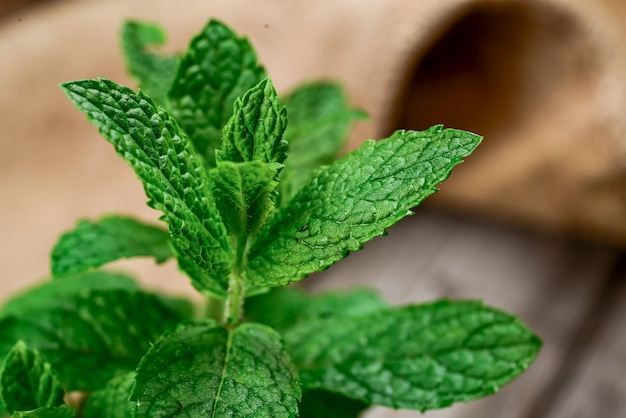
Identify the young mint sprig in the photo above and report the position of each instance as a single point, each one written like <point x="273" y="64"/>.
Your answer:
<point x="251" y="203"/>
<point x="217" y="68"/>
<point x="341" y="207"/>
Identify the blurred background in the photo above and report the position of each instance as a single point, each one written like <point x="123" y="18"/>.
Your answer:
<point x="534" y="222"/>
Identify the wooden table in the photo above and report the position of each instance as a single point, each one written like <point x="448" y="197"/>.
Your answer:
<point x="573" y="295"/>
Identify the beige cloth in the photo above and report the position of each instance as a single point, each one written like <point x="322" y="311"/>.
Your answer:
<point x="543" y="81"/>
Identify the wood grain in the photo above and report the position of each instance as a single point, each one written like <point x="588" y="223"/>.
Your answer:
<point x="592" y="383"/>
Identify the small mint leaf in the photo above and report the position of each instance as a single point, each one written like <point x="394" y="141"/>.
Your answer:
<point x="207" y="370"/>
<point x="163" y="158"/>
<point x="154" y="73"/>
<point x="352" y="201"/>
<point x="255" y="130"/>
<point x="62" y="411"/>
<point x="89" y="327"/>
<point x="416" y="357"/>
<point x="217" y="68"/>
<point x="92" y="244"/>
<point x="282" y="308"/>
<point x="244" y="194"/>
<point x="319" y="123"/>
<point x="112" y="401"/>
<point x="317" y="403"/>
<point x="27" y="381"/>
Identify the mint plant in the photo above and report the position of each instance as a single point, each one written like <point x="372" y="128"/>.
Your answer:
<point x="249" y="205"/>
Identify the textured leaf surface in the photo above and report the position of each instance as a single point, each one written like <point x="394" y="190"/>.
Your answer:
<point x="353" y="200"/>
<point x="164" y="159"/>
<point x="92" y="244"/>
<point x="27" y="382"/>
<point x="244" y="194"/>
<point x="62" y="411"/>
<point x="112" y="401"/>
<point x="154" y="72"/>
<point x="204" y="369"/>
<point x="202" y="281"/>
<point x="217" y="68"/>
<point x="89" y="327"/>
<point x="282" y="308"/>
<point x="255" y="130"/>
<point x="317" y="403"/>
<point x="319" y="122"/>
<point x="418" y="357"/>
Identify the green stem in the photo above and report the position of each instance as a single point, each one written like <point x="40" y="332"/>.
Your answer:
<point x="233" y="308"/>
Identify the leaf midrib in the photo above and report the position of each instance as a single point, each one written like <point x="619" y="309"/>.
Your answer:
<point x="218" y="393"/>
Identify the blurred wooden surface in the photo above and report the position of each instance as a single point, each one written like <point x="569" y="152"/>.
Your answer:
<point x="573" y="295"/>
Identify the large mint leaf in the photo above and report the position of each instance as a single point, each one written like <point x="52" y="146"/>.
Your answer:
<point x="353" y="200"/>
<point x="154" y="72"/>
<point x="204" y="369"/>
<point x="317" y="403"/>
<point x="244" y="194"/>
<point x="255" y="130"/>
<point x="89" y="327"/>
<point x="92" y="244"/>
<point x="282" y="308"/>
<point x="112" y="401"/>
<point x="217" y="68"/>
<point x="418" y="357"/>
<point x="27" y="382"/>
<point x="62" y="411"/>
<point x="163" y="158"/>
<point x="319" y="122"/>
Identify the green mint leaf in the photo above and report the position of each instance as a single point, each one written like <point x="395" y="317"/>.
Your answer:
<point x="282" y="308"/>
<point x="207" y="370"/>
<point x="352" y="201"/>
<point x="62" y="411"/>
<point x="317" y="403"/>
<point x="255" y="130"/>
<point x="112" y="401"/>
<point x="319" y="123"/>
<point x="416" y="357"/>
<point x="45" y="293"/>
<point x="89" y="327"/>
<point x="217" y="68"/>
<point x="92" y="244"/>
<point x="203" y="281"/>
<point x="244" y="194"/>
<point x="164" y="159"/>
<point x="154" y="73"/>
<point x="27" y="381"/>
